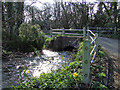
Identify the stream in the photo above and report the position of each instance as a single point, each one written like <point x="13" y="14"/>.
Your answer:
<point x="46" y="62"/>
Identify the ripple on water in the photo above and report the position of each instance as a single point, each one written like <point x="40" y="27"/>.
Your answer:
<point x="49" y="61"/>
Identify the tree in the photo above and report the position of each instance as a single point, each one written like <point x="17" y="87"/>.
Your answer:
<point x="19" y="15"/>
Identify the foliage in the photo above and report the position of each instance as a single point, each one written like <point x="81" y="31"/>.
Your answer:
<point x="98" y="85"/>
<point x="75" y="66"/>
<point x="11" y="45"/>
<point x="61" y="78"/>
<point x="49" y="40"/>
<point x="66" y="77"/>
<point x="102" y="54"/>
<point x="102" y="74"/>
<point x="80" y="52"/>
<point x="31" y="36"/>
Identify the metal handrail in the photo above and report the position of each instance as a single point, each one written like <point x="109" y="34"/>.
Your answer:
<point x="93" y="40"/>
<point x="91" y="32"/>
<point x="93" y="50"/>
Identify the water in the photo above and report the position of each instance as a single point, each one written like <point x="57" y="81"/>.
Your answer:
<point x="46" y="62"/>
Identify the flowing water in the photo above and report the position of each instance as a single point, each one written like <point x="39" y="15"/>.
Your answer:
<point x="46" y="62"/>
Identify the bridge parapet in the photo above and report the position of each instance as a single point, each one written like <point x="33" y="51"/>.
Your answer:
<point x="64" y="41"/>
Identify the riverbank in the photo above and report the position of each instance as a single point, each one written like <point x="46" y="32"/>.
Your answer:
<point x="46" y="62"/>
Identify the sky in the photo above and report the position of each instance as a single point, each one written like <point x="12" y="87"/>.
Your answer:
<point x="39" y="2"/>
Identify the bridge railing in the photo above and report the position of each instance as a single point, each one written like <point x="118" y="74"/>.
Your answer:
<point x="104" y="30"/>
<point x="66" y="32"/>
<point x="90" y="45"/>
<point x="90" y="39"/>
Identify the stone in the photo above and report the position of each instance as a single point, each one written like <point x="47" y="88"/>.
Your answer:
<point x="63" y="41"/>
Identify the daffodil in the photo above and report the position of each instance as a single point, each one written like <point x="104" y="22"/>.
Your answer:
<point x="27" y="71"/>
<point x="75" y="74"/>
<point x="23" y="71"/>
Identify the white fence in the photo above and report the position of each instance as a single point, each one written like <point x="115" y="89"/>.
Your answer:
<point x="90" y="39"/>
<point x="104" y="30"/>
<point x="67" y="32"/>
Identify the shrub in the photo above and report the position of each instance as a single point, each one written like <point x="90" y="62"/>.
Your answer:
<point x="31" y="37"/>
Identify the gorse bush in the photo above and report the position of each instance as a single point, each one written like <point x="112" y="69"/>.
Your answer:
<point x="31" y="37"/>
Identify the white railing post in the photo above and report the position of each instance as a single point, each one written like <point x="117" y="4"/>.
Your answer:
<point x="87" y="32"/>
<point x="99" y="33"/>
<point x="96" y="41"/>
<point x="86" y="62"/>
<point x="84" y="32"/>
<point x="63" y="32"/>
<point x="99" y="28"/>
<point x="50" y="32"/>
<point x="115" y="30"/>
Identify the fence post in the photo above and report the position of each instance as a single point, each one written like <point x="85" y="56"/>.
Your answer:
<point x="87" y="32"/>
<point x="96" y="41"/>
<point x="84" y="32"/>
<point x="115" y="30"/>
<point x="100" y="30"/>
<point x="50" y="32"/>
<point x="99" y="33"/>
<point x="86" y="62"/>
<point x="63" y="32"/>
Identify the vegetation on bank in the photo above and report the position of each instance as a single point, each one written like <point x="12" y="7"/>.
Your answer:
<point x="22" y="31"/>
<point x="70" y="76"/>
<point x="30" y="38"/>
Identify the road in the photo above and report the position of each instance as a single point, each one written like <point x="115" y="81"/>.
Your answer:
<point x="112" y="46"/>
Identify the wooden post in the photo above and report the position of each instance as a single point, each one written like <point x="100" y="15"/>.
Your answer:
<point x="115" y="30"/>
<point x="50" y="32"/>
<point x="88" y="32"/>
<point x="86" y="62"/>
<point x="84" y="32"/>
<point x="98" y="31"/>
<point x="63" y="32"/>
<point x="96" y="41"/>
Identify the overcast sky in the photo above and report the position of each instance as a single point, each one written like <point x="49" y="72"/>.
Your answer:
<point x="39" y="2"/>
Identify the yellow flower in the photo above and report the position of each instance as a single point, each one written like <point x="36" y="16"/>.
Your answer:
<point x="75" y="74"/>
<point x="27" y="71"/>
<point x="23" y="71"/>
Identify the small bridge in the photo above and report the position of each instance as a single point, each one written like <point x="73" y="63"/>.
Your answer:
<point x="89" y="39"/>
<point x="65" y="43"/>
<point x="68" y="39"/>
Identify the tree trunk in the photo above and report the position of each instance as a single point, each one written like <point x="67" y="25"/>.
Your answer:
<point x="10" y="19"/>
<point x="20" y="15"/>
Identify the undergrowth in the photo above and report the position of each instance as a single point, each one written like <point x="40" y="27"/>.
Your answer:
<point x="70" y="76"/>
